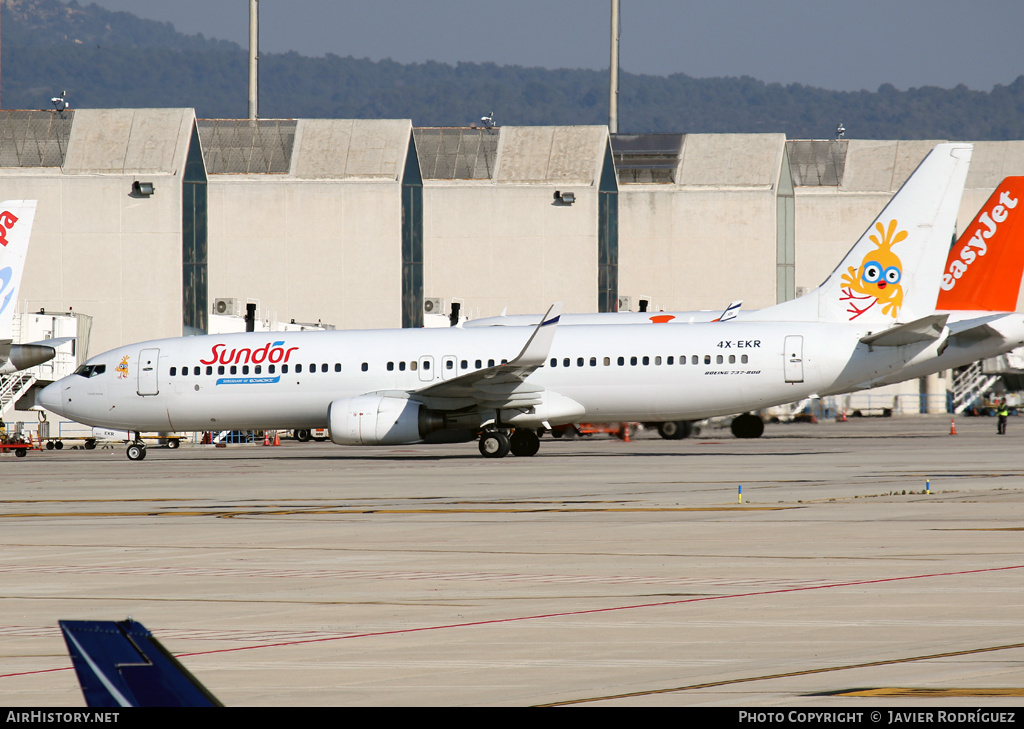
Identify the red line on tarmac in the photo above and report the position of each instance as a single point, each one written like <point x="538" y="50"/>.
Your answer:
<point x="570" y="613"/>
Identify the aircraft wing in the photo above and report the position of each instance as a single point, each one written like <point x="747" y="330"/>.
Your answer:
<point x="501" y="386"/>
<point x="120" y="663"/>
<point x="52" y="342"/>
<point x="920" y="330"/>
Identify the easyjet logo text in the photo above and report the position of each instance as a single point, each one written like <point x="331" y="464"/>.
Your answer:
<point x="977" y="244"/>
<point x="7" y="222"/>
<point x="270" y="352"/>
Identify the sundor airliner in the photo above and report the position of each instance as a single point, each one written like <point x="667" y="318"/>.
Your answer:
<point x="872" y="317"/>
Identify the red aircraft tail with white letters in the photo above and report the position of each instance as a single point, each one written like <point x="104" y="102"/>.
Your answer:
<point x="984" y="269"/>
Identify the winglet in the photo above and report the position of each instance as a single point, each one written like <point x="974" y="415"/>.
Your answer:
<point x="539" y="344"/>
<point x="15" y="228"/>
<point x="984" y="268"/>
<point x="120" y="663"/>
<point x="730" y="311"/>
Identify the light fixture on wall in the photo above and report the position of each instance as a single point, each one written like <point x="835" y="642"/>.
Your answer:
<point x="142" y="189"/>
<point x="565" y="198"/>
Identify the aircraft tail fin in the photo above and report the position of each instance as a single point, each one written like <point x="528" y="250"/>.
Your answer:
<point x="985" y="266"/>
<point x="16" y="218"/>
<point x="892" y="274"/>
<point x="120" y="663"/>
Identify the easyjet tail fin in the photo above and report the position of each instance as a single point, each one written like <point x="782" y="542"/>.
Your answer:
<point x="891" y="275"/>
<point x="984" y="267"/>
<point x="15" y="226"/>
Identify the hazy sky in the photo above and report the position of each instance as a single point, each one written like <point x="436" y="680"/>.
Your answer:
<point x="845" y="46"/>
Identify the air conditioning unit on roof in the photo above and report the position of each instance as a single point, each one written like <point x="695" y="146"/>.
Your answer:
<point x="434" y="306"/>
<point x="227" y="307"/>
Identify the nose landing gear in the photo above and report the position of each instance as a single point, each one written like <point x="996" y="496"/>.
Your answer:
<point x="136" y="449"/>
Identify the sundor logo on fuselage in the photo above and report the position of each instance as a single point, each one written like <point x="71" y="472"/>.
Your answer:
<point x="272" y="353"/>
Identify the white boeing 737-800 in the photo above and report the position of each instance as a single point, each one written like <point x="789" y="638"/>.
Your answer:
<point x="873" y="316"/>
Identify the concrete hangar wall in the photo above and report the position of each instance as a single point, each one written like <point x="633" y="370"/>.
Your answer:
<point x="357" y="222"/>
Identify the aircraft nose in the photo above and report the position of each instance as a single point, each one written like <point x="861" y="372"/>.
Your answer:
<point x="49" y="397"/>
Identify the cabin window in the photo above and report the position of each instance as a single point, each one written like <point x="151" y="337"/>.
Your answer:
<point x="465" y="364"/>
<point x="607" y="361"/>
<point x="504" y="361"/>
<point x="366" y="367"/>
<point x="479" y="364"/>
<point x="271" y="369"/>
<point x="669" y="360"/>
<point x="209" y="370"/>
<point x="732" y="359"/>
<point x="284" y="369"/>
<point x="593" y="361"/>
<point x="337" y="366"/>
<point x="312" y="368"/>
<point x="657" y="360"/>
<point x="391" y="366"/>
<point x="234" y="369"/>
<point x="174" y="371"/>
<point x="743" y="359"/>
<point x="646" y="361"/>
<point x="621" y="361"/>
<point x="426" y="364"/>
<point x="490" y="363"/>
<point x="632" y="361"/>
<point x="412" y="366"/>
<point x="323" y="367"/>
<point x="245" y="369"/>
<point x="707" y="359"/>
<point x="554" y="362"/>
<point x="719" y="359"/>
<point x="258" y="369"/>
<point x="696" y="360"/>
<point x="449" y="364"/>
<point x="298" y="368"/>
<point x="220" y="370"/>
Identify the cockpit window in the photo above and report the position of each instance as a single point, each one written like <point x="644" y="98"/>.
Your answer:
<point x="91" y="370"/>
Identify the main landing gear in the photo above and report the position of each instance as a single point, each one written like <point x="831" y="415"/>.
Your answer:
<point x="747" y="425"/>
<point x="522" y="442"/>
<point x="136" y="449"/>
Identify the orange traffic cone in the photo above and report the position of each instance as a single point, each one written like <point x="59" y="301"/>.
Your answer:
<point x="266" y="437"/>
<point x="842" y="417"/>
<point x="952" y="426"/>
<point x="277" y="439"/>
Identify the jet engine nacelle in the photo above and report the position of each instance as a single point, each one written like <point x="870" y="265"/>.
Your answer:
<point x="380" y="420"/>
<point x="23" y="356"/>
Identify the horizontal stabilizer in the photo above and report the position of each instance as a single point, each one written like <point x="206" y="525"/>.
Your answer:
<point x="925" y="329"/>
<point x="976" y="330"/>
<point x="120" y="663"/>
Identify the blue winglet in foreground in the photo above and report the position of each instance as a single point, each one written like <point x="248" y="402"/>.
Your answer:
<point x="120" y="663"/>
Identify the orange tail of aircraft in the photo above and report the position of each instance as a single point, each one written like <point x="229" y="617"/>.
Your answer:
<point x="984" y="268"/>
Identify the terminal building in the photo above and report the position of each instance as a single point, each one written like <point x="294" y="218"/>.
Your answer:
<point x="153" y="222"/>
